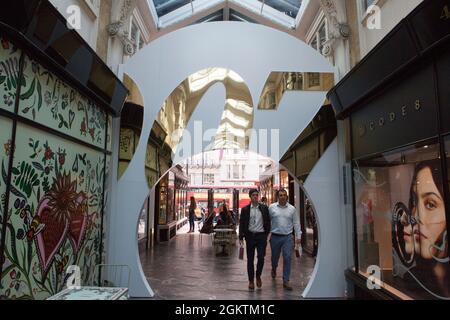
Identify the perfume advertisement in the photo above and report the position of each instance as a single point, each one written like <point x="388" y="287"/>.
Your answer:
<point x="401" y="221"/>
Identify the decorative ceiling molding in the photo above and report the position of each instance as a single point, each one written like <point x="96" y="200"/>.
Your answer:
<point x="337" y="30"/>
<point x="119" y="28"/>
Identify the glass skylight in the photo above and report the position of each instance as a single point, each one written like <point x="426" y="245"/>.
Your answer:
<point x="288" y="7"/>
<point x="163" y="7"/>
<point x="284" y="12"/>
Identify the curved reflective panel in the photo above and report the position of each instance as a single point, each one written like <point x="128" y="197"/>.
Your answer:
<point x="237" y="116"/>
<point x="134" y="93"/>
<point x="279" y="82"/>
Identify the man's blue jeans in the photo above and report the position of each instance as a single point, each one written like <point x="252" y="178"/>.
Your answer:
<point x="285" y="244"/>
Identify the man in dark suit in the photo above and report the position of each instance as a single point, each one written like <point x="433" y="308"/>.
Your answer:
<point x="254" y="227"/>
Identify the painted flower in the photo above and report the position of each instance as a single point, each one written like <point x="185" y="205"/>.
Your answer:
<point x="47" y="97"/>
<point x="92" y="132"/>
<point x="63" y="196"/>
<point x="83" y="127"/>
<point x="25" y="213"/>
<point x="48" y="153"/>
<point x="62" y="157"/>
<point x="65" y="101"/>
<point x="5" y="44"/>
<point x="7" y="147"/>
<point x="8" y="99"/>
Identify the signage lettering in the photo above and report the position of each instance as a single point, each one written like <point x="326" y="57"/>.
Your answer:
<point x="392" y="116"/>
<point x="404" y="111"/>
<point x="417" y="105"/>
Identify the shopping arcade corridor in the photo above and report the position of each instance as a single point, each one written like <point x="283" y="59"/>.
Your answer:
<point x="184" y="268"/>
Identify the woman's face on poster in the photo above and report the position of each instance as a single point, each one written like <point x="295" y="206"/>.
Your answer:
<point x="429" y="211"/>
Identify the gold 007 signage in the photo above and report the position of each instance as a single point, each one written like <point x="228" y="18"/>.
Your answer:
<point x="391" y="117"/>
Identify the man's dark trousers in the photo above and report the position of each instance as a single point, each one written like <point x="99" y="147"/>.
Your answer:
<point x="256" y="241"/>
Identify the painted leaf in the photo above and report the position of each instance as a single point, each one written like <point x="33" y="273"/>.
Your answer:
<point x="24" y="81"/>
<point x="39" y="91"/>
<point x="38" y="166"/>
<point x="17" y="193"/>
<point x="75" y="165"/>
<point x="13" y="241"/>
<point x="4" y="175"/>
<point x="30" y="91"/>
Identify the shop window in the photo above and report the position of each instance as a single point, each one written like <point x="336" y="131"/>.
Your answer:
<point x="320" y="36"/>
<point x="314" y="80"/>
<point x="162" y="216"/>
<point x="142" y="225"/>
<point x="141" y="43"/>
<point x="401" y="220"/>
<point x="235" y="171"/>
<point x="208" y="178"/>
<point x="367" y="4"/>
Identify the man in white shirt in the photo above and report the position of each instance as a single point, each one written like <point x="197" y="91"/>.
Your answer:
<point x="284" y="219"/>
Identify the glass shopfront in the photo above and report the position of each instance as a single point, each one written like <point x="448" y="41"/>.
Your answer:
<point x="310" y="241"/>
<point x="398" y="147"/>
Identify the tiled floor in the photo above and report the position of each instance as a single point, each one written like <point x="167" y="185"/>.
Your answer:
<point x="184" y="268"/>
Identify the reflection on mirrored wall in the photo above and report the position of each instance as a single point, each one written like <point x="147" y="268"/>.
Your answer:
<point x="237" y="116"/>
<point x="280" y="82"/>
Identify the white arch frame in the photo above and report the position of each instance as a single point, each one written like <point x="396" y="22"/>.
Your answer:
<point x="253" y="51"/>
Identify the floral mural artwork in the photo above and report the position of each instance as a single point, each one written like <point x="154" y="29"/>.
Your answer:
<point x="56" y="186"/>
<point x="47" y="99"/>
<point x="9" y="73"/>
<point x="54" y="218"/>
<point x="109" y="134"/>
<point x="5" y="149"/>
